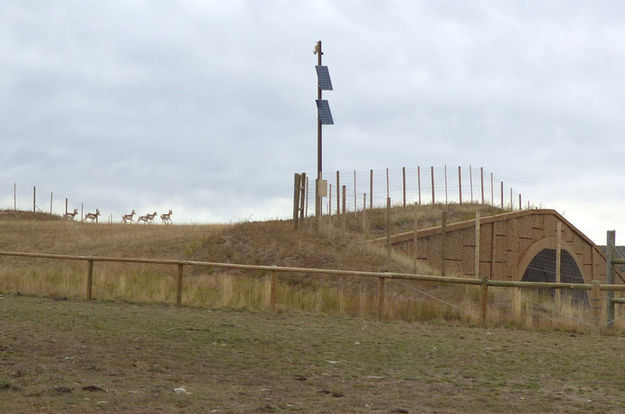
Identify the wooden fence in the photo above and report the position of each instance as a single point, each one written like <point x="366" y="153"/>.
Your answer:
<point x="595" y="287"/>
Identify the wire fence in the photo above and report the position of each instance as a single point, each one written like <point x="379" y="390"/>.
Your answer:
<point x="45" y="200"/>
<point x="355" y="190"/>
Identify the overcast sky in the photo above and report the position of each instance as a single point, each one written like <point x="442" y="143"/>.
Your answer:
<point x="207" y="107"/>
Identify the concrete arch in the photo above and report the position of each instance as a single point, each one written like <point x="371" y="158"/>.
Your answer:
<point x="540" y="245"/>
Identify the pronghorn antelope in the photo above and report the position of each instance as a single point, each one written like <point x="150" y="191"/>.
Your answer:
<point x="70" y="216"/>
<point x="166" y="217"/>
<point x="128" y="217"/>
<point x="148" y="218"/>
<point x="92" y="216"/>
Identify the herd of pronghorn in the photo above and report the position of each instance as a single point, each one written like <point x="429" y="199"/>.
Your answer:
<point x="126" y="218"/>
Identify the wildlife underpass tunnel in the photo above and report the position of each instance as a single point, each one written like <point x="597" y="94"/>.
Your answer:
<point x="542" y="268"/>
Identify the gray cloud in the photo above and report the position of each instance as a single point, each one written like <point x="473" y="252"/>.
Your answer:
<point x="210" y="106"/>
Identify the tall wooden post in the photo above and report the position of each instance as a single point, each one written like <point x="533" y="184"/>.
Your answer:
<point x="338" y="193"/>
<point x="403" y="173"/>
<point x="482" y="182"/>
<point x="477" y="244"/>
<point x="307" y="195"/>
<point x="502" y="196"/>
<point x="446" y="192"/>
<point x="318" y="198"/>
<point x="302" y="195"/>
<point x="364" y="222"/>
<point x="296" y="193"/>
<point x="432" y="173"/>
<point x="51" y="196"/>
<point x="65" y="205"/>
<point x="471" y="182"/>
<point x="492" y="191"/>
<point x="370" y="189"/>
<point x="609" y="273"/>
<point x="34" y="198"/>
<point x="443" y="241"/>
<point x="415" y="250"/>
<point x="355" y="197"/>
<point x="520" y="203"/>
<point x="388" y="229"/>
<point x="460" y="184"/>
<point x="82" y="210"/>
<point x="595" y="305"/>
<point x="558" y="262"/>
<point x="419" y="182"/>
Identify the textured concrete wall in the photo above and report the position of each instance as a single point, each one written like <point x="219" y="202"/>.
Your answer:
<point x="508" y="243"/>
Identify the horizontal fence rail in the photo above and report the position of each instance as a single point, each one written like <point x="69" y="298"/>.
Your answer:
<point x="273" y="269"/>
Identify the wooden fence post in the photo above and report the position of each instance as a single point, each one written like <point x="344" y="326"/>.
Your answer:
<point x="51" y="195"/>
<point x="492" y="191"/>
<point x="460" y="184"/>
<point x="482" y="182"/>
<point x="609" y="271"/>
<point x="179" y="290"/>
<point x="477" y="244"/>
<point x="65" y="205"/>
<point x="432" y="173"/>
<point x="502" y="195"/>
<point x="370" y="189"/>
<point x="388" y="229"/>
<point x="302" y="196"/>
<point x="338" y="193"/>
<point x="446" y="193"/>
<point x="307" y="195"/>
<point x="558" y="262"/>
<point x="355" y="195"/>
<point x="90" y="280"/>
<point x="34" y="198"/>
<point x="419" y="182"/>
<point x="403" y="173"/>
<point x="415" y="250"/>
<point x="274" y="285"/>
<point x="296" y="193"/>
<point x="471" y="182"/>
<point x="595" y="305"/>
<point x="484" y="302"/>
<point x="381" y="294"/>
<point x="343" y="201"/>
<point x="443" y="241"/>
<point x="364" y="222"/>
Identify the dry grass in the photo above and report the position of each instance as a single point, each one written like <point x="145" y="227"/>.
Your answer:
<point x="266" y="243"/>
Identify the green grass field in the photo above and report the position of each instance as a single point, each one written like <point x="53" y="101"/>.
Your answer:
<point x="78" y="357"/>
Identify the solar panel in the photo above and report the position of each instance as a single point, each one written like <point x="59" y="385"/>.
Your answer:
<point x="323" y="78"/>
<point x="323" y="109"/>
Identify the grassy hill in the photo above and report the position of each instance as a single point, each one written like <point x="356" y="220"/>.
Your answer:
<point x="338" y="244"/>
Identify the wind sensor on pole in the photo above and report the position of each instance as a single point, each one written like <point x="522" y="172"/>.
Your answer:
<point x="324" y="117"/>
